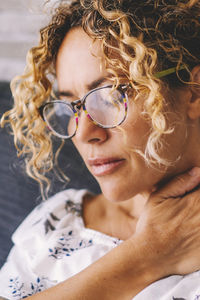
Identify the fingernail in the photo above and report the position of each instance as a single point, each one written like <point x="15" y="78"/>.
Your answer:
<point x="194" y="171"/>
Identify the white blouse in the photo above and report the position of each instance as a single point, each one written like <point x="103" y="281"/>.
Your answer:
<point x="52" y="244"/>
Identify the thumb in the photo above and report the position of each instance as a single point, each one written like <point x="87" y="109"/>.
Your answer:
<point x="181" y="184"/>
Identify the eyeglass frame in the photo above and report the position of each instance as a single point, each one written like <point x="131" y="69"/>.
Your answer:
<point x="81" y="102"/>
<point x="77" y="104"/>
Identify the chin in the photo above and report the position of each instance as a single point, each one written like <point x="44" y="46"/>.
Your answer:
<point x="121" y="189"/>
<point x="118" y="194"/>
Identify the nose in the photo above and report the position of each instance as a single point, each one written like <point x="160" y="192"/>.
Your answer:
<point x="88" y="132"/>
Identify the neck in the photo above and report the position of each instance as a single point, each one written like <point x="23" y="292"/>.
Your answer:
<point x="131" y="208"/>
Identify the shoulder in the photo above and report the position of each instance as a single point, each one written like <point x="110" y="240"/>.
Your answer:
<point x="49" y="214"/>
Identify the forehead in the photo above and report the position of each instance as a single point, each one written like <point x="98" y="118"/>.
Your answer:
<point x="79" y="59"/>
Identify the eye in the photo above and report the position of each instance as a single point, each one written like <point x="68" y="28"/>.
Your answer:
<point x="62" y="96"/>
<point x="65" y="98"/>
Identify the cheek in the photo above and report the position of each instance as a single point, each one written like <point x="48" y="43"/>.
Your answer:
<point x="136" y="131"/>
<point x="136" y="126"/>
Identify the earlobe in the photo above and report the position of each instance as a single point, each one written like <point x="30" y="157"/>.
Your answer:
<point x="194" y="100"/>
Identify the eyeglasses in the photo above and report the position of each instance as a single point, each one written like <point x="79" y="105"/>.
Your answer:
<point x="104" y="106"/>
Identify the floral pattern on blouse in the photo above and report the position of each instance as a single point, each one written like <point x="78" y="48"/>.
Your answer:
<point x="68" y="244"/>
<point x="57" y="229"/>
<point x="70" y="207"/>
<point x="197" y="297"/>
<point x="19" y="291"/>
<point x="74" y="208"/>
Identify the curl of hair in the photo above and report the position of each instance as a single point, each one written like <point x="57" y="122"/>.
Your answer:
<point x="138" y="38"/>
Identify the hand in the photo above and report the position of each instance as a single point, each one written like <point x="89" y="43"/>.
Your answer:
<point x="170" y="225"/>
<point x="166" y="242"/>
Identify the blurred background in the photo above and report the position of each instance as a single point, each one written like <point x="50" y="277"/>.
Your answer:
<point x="20" y="21"/>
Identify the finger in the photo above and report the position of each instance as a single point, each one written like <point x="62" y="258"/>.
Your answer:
<point x="180" y="184"/>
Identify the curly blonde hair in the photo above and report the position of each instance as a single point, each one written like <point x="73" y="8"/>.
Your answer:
<point x="138" y="38"/>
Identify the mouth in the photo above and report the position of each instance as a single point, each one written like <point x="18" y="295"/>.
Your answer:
<point x="104" y="166"/>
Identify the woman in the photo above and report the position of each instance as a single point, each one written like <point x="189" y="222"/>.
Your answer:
<point x="135" y="66"/>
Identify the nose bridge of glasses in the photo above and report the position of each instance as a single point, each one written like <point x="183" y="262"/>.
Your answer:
<point x="77" y="104"/>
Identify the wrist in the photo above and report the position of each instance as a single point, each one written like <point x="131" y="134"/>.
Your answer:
<point x="154" y="264"/>
<point x="150" y="265"/>
<point x="134" y="266"/>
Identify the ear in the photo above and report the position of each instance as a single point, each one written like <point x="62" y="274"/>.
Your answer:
<point x="194" y="101"/>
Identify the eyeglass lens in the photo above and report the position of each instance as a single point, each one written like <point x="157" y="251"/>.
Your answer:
<point x="104" y="106"/>
<point x="60" y="118"/>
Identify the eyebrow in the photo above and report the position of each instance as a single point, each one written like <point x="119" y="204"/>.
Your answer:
<point x="94" y="84"/>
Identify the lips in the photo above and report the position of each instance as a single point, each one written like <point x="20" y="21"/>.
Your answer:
<point x="104" y="166"/>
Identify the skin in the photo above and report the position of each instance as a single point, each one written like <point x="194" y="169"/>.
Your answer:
<point x="80" y="57"/>
<point x="164" y="243"/>
<point x="163" y="233"/>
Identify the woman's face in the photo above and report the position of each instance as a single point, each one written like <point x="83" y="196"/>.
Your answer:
<point x="120" y="172"/>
